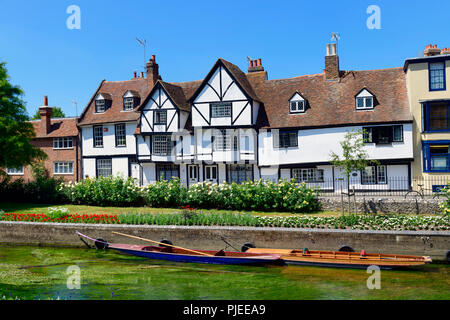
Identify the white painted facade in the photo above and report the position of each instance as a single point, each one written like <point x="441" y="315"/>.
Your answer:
<point x="315" y="146"/>
<point x="121" y="157"/>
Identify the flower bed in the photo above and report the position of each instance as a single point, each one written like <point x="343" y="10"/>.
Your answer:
<point x="191" y="218"/>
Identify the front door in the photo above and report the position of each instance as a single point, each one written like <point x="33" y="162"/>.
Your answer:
<point x="192" y="174"/>
<point x="211" y="174"/>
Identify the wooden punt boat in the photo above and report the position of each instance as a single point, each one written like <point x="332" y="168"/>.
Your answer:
<point x="194" y="256"/>
<point x="359" y="260"/>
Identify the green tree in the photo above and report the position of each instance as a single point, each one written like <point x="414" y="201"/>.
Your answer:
<point x="15" y="130"/>
<point x="354" y="156"/>
<point x="56" y="113"/>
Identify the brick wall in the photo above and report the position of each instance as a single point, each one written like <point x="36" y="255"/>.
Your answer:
<point x="54" y="155"/>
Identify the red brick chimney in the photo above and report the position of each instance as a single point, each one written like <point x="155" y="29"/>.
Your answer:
<point x="255" y="66"/>
<point x="46" y="113"/>
<point x="152" y="72"/>
<point x="332" y="63"/>
<point x="431" y="50"/>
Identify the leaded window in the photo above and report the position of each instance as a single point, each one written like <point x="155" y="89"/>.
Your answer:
<point x="104" y="167"/>
<point x="162" y="145"/>
<point x="221" y="110"/>
<point x="239" y="173"/>
<point x="166" y="171"/>
<point x="160" y="117"/>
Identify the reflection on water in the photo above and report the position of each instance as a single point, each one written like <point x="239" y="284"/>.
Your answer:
<point x="40" y="273"/>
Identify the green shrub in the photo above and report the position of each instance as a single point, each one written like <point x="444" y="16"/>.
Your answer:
<point x="445" y="205"/>
<point x="166" y="193"/>
<point x="109" y="191"/>
<point x="42" y="189"/>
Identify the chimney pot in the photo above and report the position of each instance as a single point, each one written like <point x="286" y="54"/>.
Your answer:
<point x="259" y="62"/>
<point x="333" y="49"/>
<point x="142" y="74"/>
<point x="135" y="74"/>
<point x="328" y="49"/>
<point x="153" y="58"/>
<point x="251" y="63"/>
<point x="332" y="64"/>
<point x="45" y="100"/>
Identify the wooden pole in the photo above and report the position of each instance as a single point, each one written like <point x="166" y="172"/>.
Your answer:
<point x="165" y="244"/>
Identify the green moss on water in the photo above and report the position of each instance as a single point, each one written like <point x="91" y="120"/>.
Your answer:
<point x="41" y="273"/>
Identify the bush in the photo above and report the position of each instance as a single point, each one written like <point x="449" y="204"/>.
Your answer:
<point x="166" y="193"/>
<point x="110" y="191"/>
<point x="250" y="195"/>
<point x="445" y="206"/>
<point x="42" y="189"/>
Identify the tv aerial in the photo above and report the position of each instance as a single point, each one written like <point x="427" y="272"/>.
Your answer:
<point x="143" y="43"/>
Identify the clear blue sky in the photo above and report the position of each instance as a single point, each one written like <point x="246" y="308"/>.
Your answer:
<point x="44" y="57"/>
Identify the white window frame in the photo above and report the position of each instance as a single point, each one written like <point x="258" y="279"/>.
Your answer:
<point x="308" y="175"/>
<point x="120" y="134"/>
<point x="62" y="143"/>
<point x="128" y="103"/>
<point x="63" y="167"/>
<point x="375" y="176"/>
<point x="299" y="106"/>
<point x="15" y="171"/>
<point x="100" y="103"/>
<point x="97" y="138"/>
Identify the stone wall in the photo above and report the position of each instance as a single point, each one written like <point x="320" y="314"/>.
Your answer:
<point x="430" y="243"/>
<point x="382" y="205"/>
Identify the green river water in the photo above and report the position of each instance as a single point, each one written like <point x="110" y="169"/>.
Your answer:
<point x="41" y="273"/>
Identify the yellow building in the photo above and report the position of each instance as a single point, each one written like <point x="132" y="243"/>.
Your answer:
<point x="428" y="85"/>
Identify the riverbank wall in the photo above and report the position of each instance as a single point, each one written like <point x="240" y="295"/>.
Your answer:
<point x="435" y="244"/>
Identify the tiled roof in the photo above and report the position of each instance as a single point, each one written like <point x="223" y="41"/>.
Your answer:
<point x="333" y="102"/>
<point x="64" y="127"/>
<point x="116" y="89"/>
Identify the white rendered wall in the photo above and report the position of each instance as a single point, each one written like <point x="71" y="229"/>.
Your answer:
<point x="315" y="145"/>
<point x="109" y="141"/>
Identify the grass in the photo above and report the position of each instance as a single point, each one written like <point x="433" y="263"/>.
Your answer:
<point x="14" y="207"/>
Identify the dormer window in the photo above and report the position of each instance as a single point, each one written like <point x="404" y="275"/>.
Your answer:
<point x="100" y="106"/>
<point x="130" y="100"/>
<point x="297" y="104"/>
<point x="102" y="102"/>
<point x="364" y="100"/>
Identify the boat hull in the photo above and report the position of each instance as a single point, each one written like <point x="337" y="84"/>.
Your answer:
<point x="247" y="260"/>
<point x="336" y="259"/>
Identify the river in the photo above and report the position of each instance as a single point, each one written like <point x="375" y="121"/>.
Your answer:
<point x="28" y="272"/>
